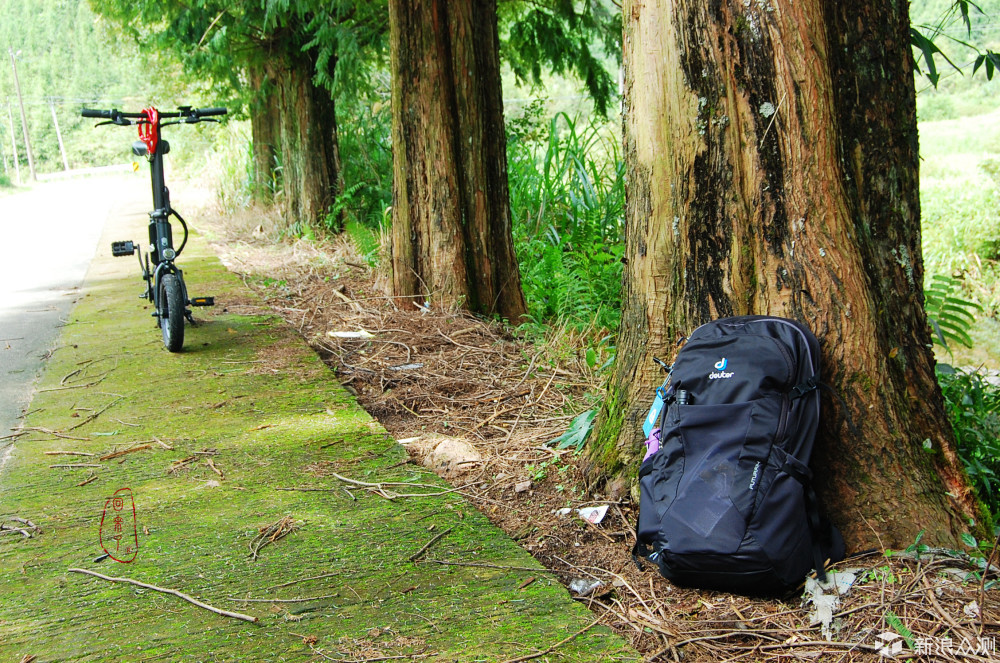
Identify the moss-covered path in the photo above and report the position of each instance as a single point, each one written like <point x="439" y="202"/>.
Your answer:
<point x="224" y="431"/>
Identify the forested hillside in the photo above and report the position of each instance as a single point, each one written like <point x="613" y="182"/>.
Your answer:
<point x="66" y="57"/>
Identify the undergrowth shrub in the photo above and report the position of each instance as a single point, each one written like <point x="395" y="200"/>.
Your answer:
<point x="364" y="130"/>
<point x="567" y="191"/>
<point x="972" y="400"/>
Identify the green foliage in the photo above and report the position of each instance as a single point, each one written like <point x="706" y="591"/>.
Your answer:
<point x="231" y="163"/>
<point x="66" y="58"/>
<point x="562" y="35"/>
<point x="567" y="187"/>
<point x="578" y="432"/>
<point x="364" y="131"/>
<point x="5" y="182"/>
<point x="365" y="240"/>
<point x="893" y="621"/>
<point x="954" y="25"/>
<point x="950" y="316"/>
<point x="973" y="405"/>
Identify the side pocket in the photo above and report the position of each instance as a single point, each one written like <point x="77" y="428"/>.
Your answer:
<point x="658" y="478"/>
<point x="780" y="524"/>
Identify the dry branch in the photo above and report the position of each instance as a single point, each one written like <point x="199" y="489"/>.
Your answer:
<point x="430" y="543"/>
<point x="278" y="600"/>
<point x="116" y="454"/>
<point x="551" y="649"/>
<point x="181" y="595"/>
<point x="214" y="468"/>
<point x="270" y="533"/>
<point x="49" y="431"/>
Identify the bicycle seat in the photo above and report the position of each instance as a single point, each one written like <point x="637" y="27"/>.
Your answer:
<point x="139" y="148"/>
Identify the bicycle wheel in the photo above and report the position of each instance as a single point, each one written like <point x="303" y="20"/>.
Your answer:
<point x="171" y="312"/>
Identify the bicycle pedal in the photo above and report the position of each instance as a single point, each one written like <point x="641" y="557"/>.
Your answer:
<point x="119" y="249"/>
<point x="203" y="301"/>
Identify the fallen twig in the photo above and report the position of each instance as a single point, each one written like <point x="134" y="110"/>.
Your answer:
<point x="98" y="413"/>
<point x="177" y="464"/>
<point x="549" y="650"/>
<point x="295" y="582"/>
<point x="271" y="533"/>
<point x="163" y="444"/>
<point x="49" y="431"/>
<point x="5" y="528"/>
<point x="92" y="477"/>
<point x="430" y="543"/>
<point x="485" y="565"/>
<point x="295" y="600"/>
<point x="380" y="488"/>
<point x="214" y="468"/>
<point x="116" y="454"/>
<point x="74" y="465"/>
<point x="67" y="453"/>
<point x="181" y="595"/>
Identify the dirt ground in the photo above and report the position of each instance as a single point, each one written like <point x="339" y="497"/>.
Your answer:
<point x="438" y="376"/>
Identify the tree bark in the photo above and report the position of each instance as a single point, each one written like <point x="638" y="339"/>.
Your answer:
<point x="772" y="166"/>
<point x="308" y="136"/>
<point x="265" y="131"/>
<point x="451" y="237"/>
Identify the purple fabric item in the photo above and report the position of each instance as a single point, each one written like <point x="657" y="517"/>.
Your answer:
<point x="652" y="444"/>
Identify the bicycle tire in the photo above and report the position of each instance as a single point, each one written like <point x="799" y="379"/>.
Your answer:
<point x="171" y="314"/>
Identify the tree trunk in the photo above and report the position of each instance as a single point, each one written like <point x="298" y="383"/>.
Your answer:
<point x="309" y="155"/>
<point x="772" y="166"/>
<point x="451" y="225"/>
<point x="265" y="134"/>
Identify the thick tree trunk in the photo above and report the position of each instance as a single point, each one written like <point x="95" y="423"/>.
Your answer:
<point x="772" y="168"/>
<point x="265" y="131"/>
<point x="451" y="237"/>
<point x="309" y="154"/>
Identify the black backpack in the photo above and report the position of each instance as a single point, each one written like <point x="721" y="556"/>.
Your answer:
<point x="726" y="501"/>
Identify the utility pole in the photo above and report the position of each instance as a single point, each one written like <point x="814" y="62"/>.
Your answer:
<point x="55" y="121"/>
<point x="24" y="118"/>
<point x="3" y="152"/>
<point x="13" y="142"/>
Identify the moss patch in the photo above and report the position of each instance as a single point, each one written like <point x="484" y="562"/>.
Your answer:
<point x="249" y="395"/>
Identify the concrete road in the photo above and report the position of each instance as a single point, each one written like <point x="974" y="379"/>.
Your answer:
<point x="48" y="236"/>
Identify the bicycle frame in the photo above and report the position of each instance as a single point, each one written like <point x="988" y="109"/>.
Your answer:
<point x="165" y="286"/>
<point x="161" y="244"/>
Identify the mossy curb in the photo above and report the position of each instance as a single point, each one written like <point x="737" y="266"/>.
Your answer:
<point x="271" y="415"/>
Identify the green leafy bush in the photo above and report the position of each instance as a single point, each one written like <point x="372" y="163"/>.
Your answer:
<point x="364" y="130"/>
<point x="567" y="185"/>
<point x="972" y="400"/>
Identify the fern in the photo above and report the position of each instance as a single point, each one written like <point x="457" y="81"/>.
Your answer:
<point x="896" y="624"/>
<point x="950" y="316"/>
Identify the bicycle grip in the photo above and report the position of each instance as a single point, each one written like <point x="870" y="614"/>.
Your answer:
<point x="207" y="112"/>
<point x="91" y="112"/>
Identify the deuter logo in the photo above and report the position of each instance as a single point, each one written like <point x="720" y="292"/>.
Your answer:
<point x="722" y="373"/>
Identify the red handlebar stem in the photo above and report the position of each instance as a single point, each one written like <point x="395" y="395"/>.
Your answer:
<point x="149" y="130"/>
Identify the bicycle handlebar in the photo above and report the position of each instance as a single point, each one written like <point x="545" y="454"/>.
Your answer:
<point x="123" y="118"/>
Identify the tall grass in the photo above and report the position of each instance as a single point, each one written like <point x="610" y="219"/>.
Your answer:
<point x="567" y="193"/>
<point x="960" y="204"/>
